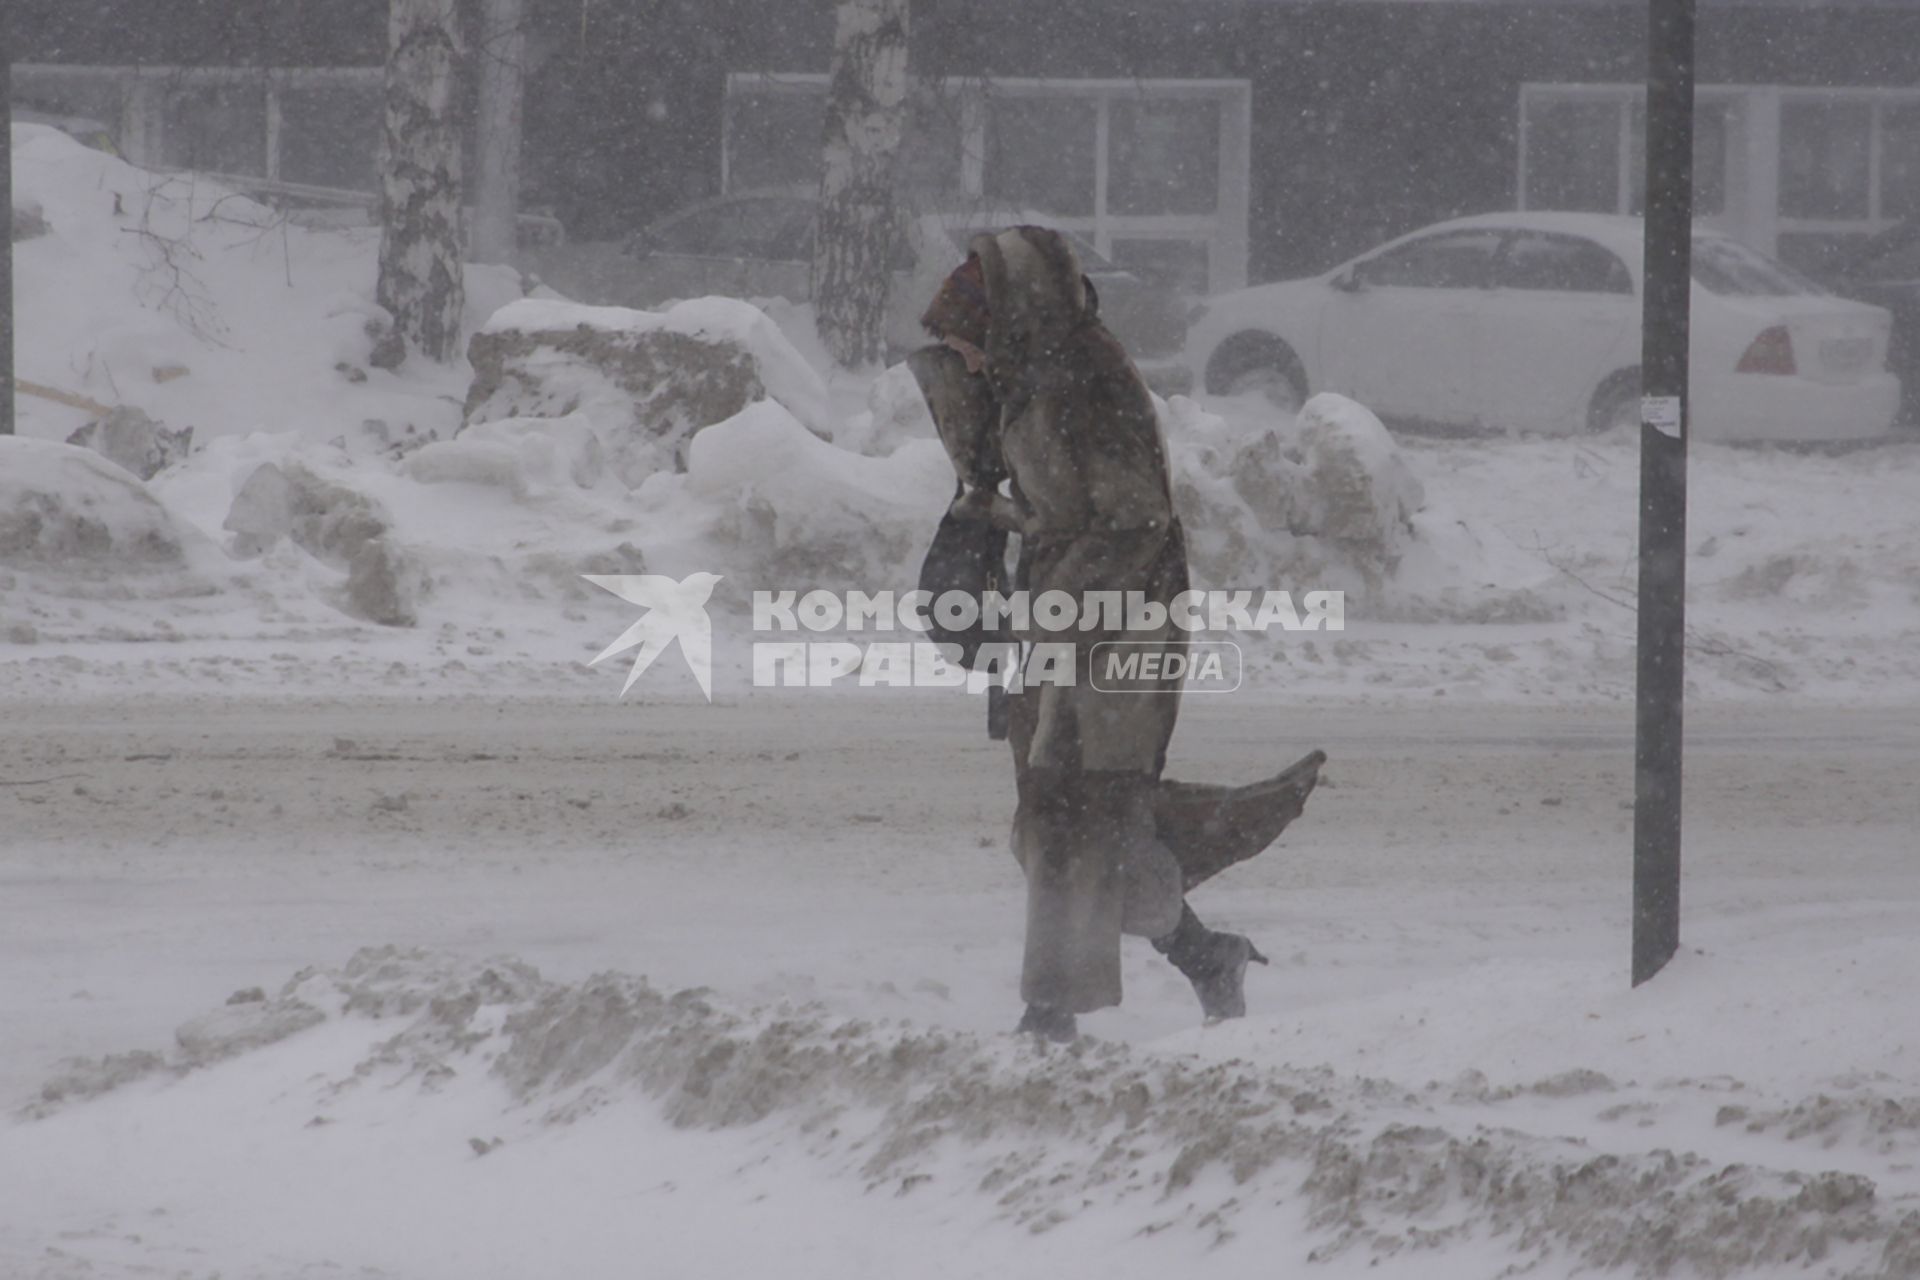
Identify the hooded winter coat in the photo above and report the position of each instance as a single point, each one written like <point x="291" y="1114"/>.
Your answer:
<point x="1108" y="845"/>
<point x="1092" y="499"/>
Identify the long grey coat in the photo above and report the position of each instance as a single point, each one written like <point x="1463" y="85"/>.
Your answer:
<point x="1108" y="846"/>
<point x="1094" y="507"/>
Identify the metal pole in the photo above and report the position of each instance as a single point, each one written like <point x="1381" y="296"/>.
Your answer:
<point x="6" y="189"/>
<point x="1663" y="487"/>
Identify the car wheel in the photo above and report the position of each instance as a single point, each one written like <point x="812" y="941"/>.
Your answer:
<point x="1279" y="386"/>
<point x="1616" y="403"/>
<point x="1255" y="361"/>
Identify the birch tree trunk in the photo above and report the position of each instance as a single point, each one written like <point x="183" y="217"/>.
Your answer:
<point x="854" y="244"/>
<point x="420" y="187"/>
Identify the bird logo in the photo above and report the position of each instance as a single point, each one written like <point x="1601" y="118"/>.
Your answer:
<point x="675" y="611"/>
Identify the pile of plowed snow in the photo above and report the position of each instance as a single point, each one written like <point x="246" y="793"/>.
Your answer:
<point x="578" y="439"/>
<point x="1098" y="1143"/>
<point x="432" y="524"/>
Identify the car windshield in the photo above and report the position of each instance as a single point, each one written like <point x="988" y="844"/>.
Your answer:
<point x="1728" y="267"/>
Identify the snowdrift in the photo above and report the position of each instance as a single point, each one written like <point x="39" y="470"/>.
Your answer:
<point x="645" y="381"/>
<point x="1323" y="501"/>
<point x="66" y="509"/>
<point x="204" y="309"/>
<point x="200" y="309"/>
<point x="1097" y="1141"/>
<point x="572" y="443"/>
<point x="586" y="439"/>
<point x="797" y="512"/>
<point x="86" y="550"/>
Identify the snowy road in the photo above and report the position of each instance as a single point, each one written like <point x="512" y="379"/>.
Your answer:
<point x="1453" y="902"/>
<point x="849" y="843"/>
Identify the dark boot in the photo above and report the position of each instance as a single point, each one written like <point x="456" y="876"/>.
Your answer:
<point x="1214" y="962"/>
<point x="1048" y="1023"/>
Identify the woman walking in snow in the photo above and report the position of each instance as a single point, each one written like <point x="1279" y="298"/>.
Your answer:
<point x="1032" y="385"/>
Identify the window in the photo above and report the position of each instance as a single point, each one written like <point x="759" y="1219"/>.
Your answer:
<point x="1728" y="267"/>
<point x="1900" y="162"/>
<point x="216" y="129"/>
<point x="1709" y="160"/>
<point x="932" y="149"/>
<point x="774" y="139"/>
<point x="1895" y="256"/>
<point x="95" y="100"/>
<point x="1824" y="159"/>
<point x="1573" y="156"/>
<point x="1839" y="164"/>
<point x="1164" y="156"/>
<point x="753" y="228"/>
<point x="1450" y="260"/>
<point x="1161" y="164"/>
<point x="1041" y="154"/>
<point x="1566" y="264"/>
<point x="330" y="137"/>
<point x="317" y="125"/>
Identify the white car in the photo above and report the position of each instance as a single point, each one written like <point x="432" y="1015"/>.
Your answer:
<point x="1531" y="322"/>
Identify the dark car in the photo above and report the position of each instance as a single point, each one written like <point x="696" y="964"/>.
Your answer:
<point x="1886" y="272"/>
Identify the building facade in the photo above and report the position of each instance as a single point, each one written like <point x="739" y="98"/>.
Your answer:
<point x="1310" y="129"/>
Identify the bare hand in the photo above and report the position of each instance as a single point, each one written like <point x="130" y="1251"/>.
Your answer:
<point x="976" y="358"/>
<point x="975" y="504"/>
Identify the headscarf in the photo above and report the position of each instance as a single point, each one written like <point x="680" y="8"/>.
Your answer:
<point x="959" y="309"/>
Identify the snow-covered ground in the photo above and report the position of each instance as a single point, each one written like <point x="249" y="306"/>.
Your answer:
<point x="330" y="947"/>
<point x="777" y="953"/>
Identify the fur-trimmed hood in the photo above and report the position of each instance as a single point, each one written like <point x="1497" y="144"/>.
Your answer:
<point x="1037" y="297"/>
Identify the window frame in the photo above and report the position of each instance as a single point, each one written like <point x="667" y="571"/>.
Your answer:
<point x="1223" y="232"/>
<point x="1754" y="107"/>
